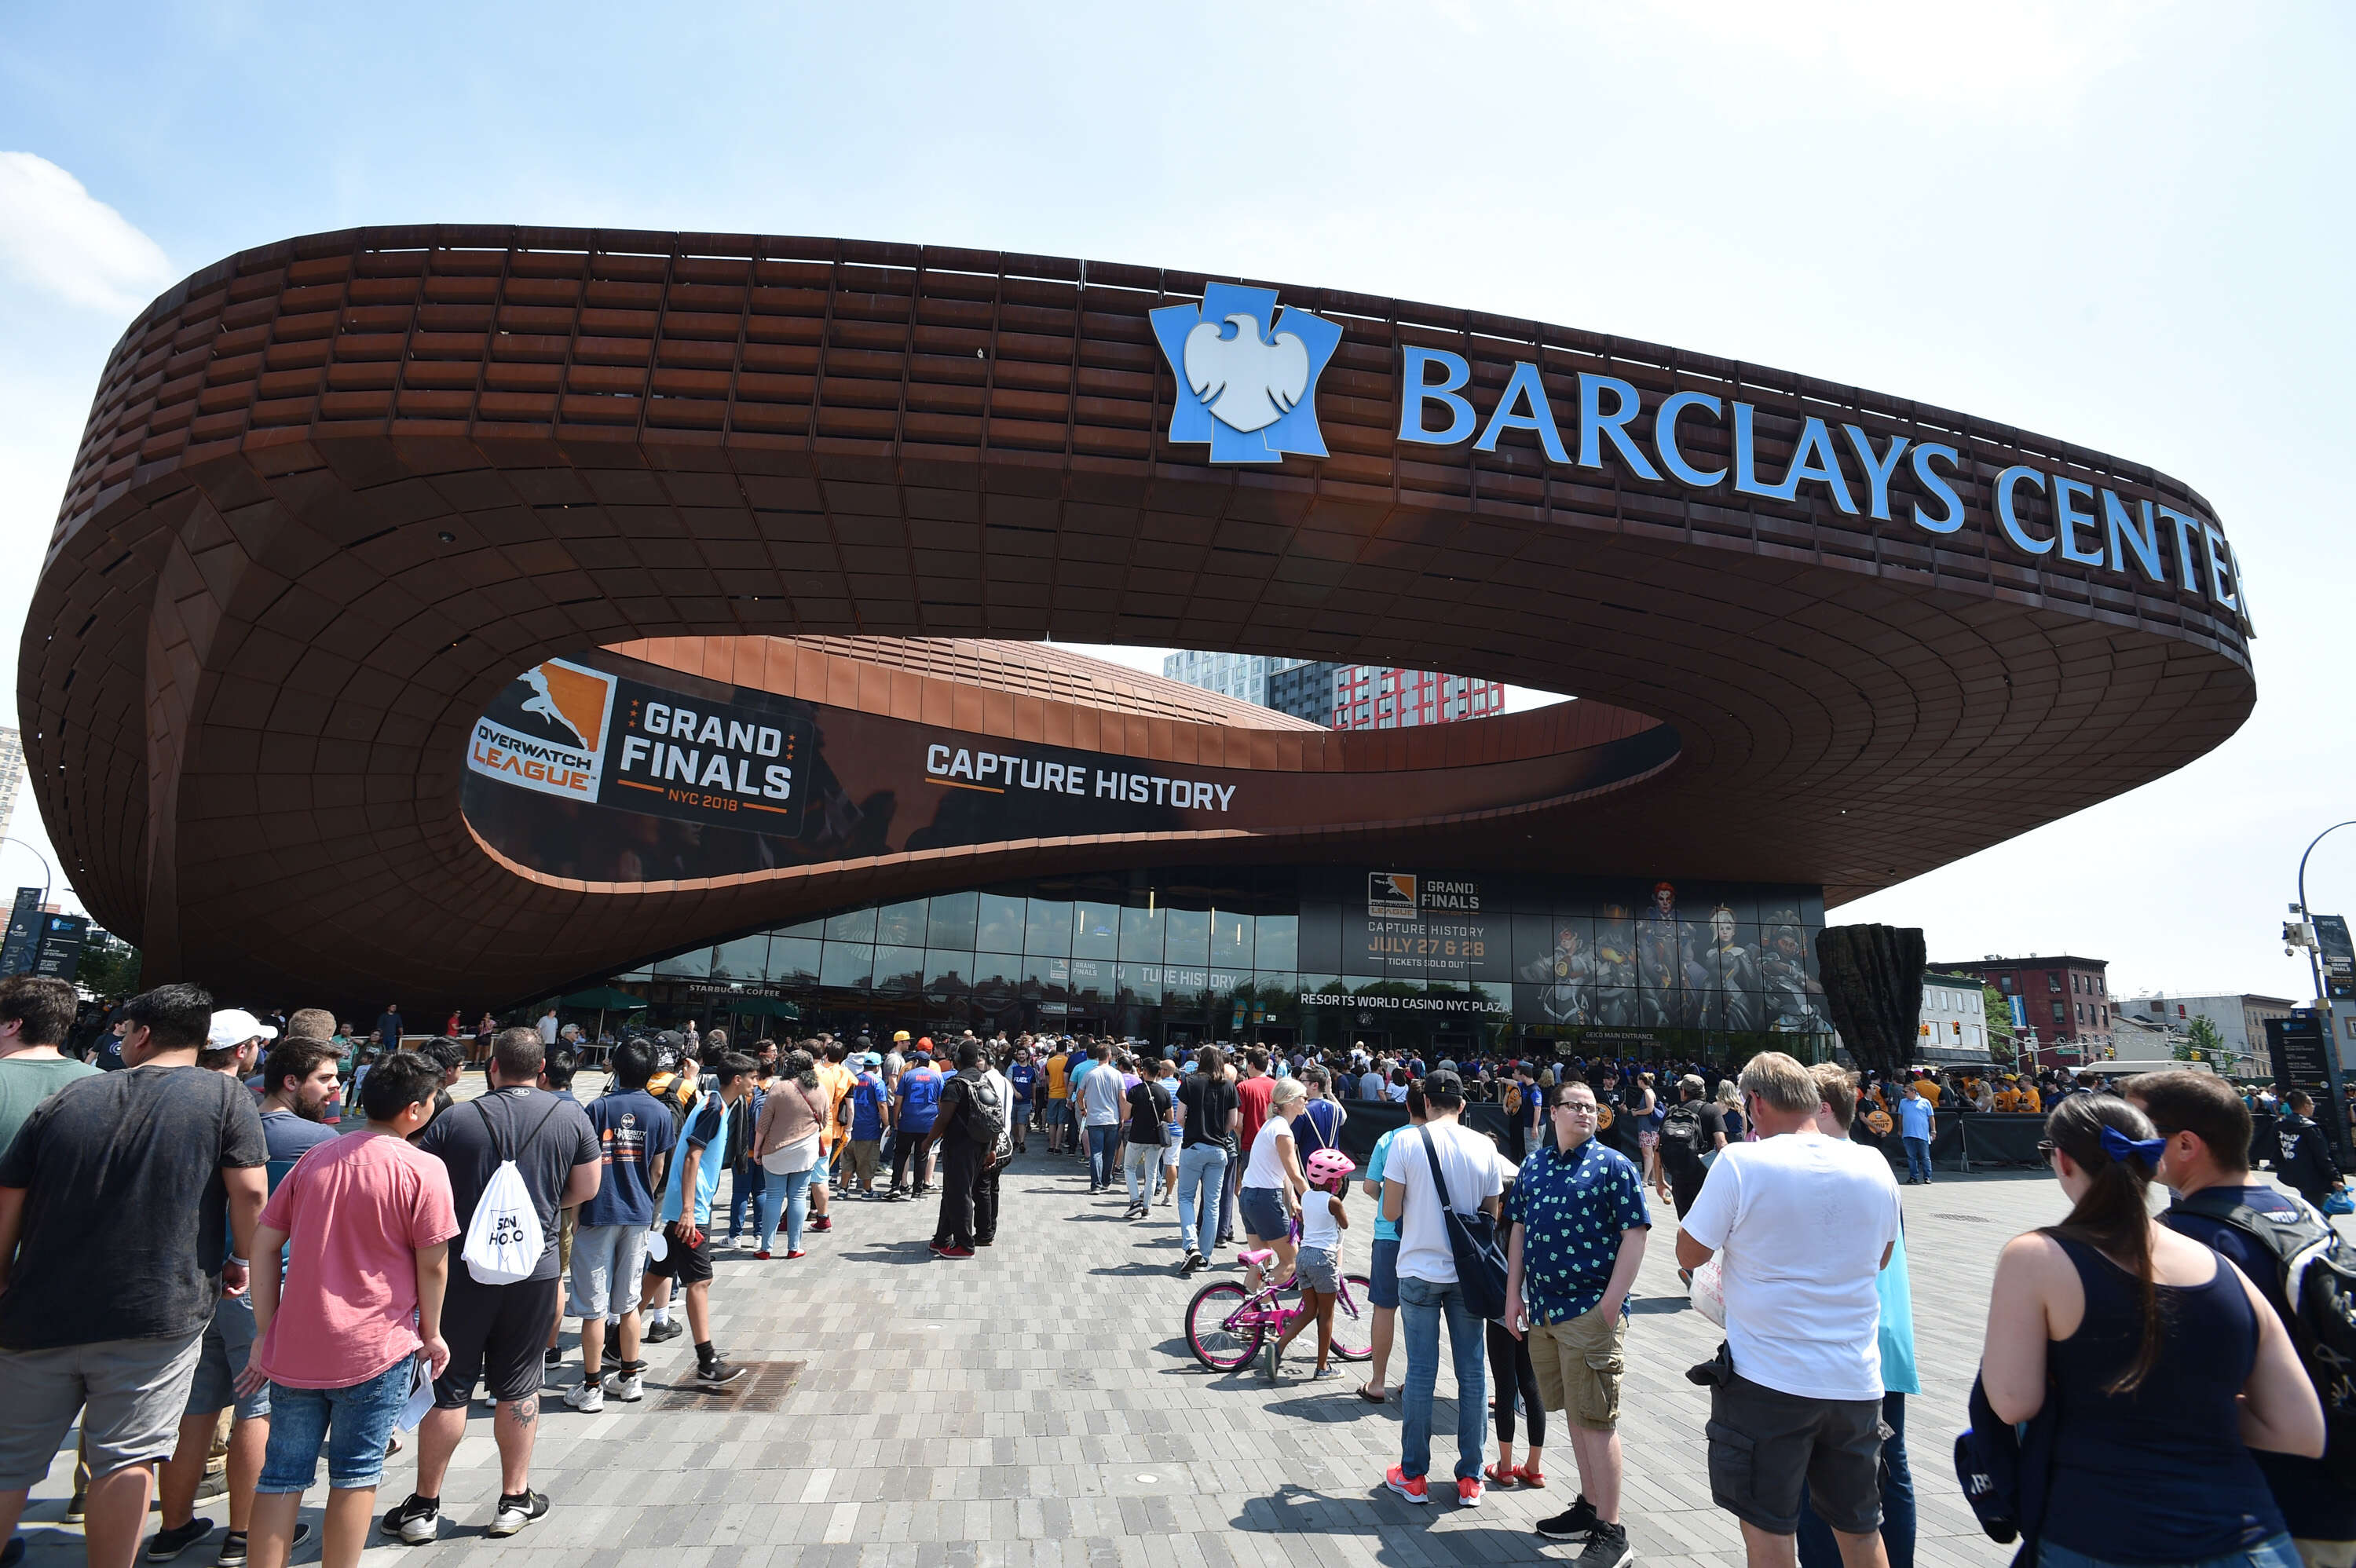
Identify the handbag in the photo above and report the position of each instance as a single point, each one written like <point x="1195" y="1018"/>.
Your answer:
<point x="1473" y="1240"/>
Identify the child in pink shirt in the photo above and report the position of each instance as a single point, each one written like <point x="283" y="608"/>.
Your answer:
<point x="366" y="1221"/>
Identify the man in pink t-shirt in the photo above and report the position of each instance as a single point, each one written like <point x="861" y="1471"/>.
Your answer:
<point x="367" y="1221"/>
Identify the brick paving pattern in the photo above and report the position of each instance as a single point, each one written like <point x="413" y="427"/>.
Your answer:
<point x="1038" y="1406"/>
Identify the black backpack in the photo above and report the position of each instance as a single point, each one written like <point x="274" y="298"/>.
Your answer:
<point x="1685" y="1138"/>
<point x="2318" y="1278"/>
<point x="984" y="1122"/>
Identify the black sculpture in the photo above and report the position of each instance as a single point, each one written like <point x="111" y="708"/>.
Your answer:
<point x="1873" y="989"/>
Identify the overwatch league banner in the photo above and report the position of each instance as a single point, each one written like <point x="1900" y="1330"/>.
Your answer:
<point x="608" y="769"/>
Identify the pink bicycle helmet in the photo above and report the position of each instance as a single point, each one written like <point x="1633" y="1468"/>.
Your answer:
<point x="1328" y="1165"/>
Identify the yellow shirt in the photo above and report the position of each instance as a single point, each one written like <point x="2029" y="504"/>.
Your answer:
<point x="2007" y="1099"/>
<point x="1929" y="1091"/>
<point x="2030" y="1100"/>
<point x="1055" y="1089"/>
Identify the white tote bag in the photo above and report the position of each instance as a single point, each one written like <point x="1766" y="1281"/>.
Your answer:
<point x="504" y="1240"/>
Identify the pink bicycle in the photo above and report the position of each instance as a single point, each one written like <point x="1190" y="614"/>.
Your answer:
<point x="1226" y="1324"/>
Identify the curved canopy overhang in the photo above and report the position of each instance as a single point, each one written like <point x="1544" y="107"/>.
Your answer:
<point x="336" y="493"/>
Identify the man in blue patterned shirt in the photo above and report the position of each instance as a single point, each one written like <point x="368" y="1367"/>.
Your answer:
<point x="1579" y="1221"/>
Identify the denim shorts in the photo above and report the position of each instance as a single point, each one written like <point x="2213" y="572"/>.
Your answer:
<point x="355" y="1421"/>
<point x="1381" y="1274"/>
<point x="228" y="1340"/>
<point x="1262" y="1209"/>
<point x="606" y="1263"/>
<point x="1316" y="1269"/>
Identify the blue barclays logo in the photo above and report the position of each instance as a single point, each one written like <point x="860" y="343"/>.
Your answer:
<point x="1246" y="376"/>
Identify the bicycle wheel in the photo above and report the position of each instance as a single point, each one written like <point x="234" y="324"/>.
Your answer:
<point x="1354" y="1319"/>
<point x="1216" y="1346"/>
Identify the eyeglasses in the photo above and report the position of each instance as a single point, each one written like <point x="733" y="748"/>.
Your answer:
<point x="2045" y="1150"/>
<point x="1582" y="1108"/>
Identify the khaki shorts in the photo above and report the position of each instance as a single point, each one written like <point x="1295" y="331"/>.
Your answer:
<point x="1580" y="1362"/>
<point x="862" y="1159"/>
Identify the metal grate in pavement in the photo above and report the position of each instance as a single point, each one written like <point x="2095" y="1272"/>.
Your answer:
<point x="1967" y="1219"/>
<point x="763" y="1387"/>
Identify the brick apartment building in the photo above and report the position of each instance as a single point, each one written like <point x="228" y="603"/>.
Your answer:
<point x="2067" y="1001"/>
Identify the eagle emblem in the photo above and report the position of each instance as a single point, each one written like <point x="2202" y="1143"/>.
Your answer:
<point x="1247" y="373"/>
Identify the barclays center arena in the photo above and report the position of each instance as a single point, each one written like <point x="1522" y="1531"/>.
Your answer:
<point x="470" y="615"/>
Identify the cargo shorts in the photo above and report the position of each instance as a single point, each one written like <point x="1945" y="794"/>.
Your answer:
<point x="1580" y="1362"/>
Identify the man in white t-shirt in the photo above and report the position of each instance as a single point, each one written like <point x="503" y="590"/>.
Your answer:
<point x="1805" y="1224"/>
<point x="548" y="1028"/>
<point x="1101" y="1097"/>
<point x="1427" y="1289"/>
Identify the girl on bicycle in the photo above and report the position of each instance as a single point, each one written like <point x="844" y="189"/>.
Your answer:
<point x="1318" y="1270"/>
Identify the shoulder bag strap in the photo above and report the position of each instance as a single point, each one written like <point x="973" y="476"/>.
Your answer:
<point x="1431" y="1153"/>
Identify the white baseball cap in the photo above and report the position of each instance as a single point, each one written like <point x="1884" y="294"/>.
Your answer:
<point x="235" y="1026"/>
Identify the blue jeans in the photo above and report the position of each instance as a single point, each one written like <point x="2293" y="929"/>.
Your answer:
<point x="1421" y="1306"/>
<point x="745" y="1199"/>
<point x="790" y="1193"/>
<point x="2274" y="1551"/>
<point x="1201" y="1173"/>
<point x="355" y="1421"/>
<point x="1817" y="1547"/>
<point x="1102" y="1141"/>
<point x="1918" y="1158"/>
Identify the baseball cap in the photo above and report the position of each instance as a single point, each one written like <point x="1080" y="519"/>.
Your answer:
<point x="1440" y="1080"/>
<point x="899" y="1036"/>
<point x="235" y="1026"/>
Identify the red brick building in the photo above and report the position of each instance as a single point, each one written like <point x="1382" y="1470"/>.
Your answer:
<point x="2066" y="1000"/>
<point x="1383" y="697"/>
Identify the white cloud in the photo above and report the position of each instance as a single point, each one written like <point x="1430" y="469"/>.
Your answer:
<point x="58" y="238"/>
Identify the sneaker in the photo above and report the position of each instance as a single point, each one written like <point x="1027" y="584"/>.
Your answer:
<point x="625" y="1387"/>
<point x="763" y="1255"/>
<point x="1412" y="1491"/>
<point x="75" y="1504"/>
<point x="797" y="1252"/>
<point x="957" y="1252"/>
<point x="1468" y="1493"/>
<point x="716" y="1373"/>
<point x="588" y="1398"/>
<point x="1576" y="1521"/>
<point x="895" y="1196"/>
<point x="167" y="1545"/>
<point x="416" y="1521"/>
<point x="551" y="1358"/>
<point x="1322" y="1373"/>
<point x="1607" y="1547"/>
<point x="822" y="1223"/>
<point x="657" y="1333"/>
<point x="233" y="1547"/>
<point x="1194" y="1261"/>
<point x="517" y="1512"/>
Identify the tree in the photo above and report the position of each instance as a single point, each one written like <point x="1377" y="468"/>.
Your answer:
<point x="109" y="969"/>
<point x="2002" y="1042"/>
<point x="2201" y="1043"/>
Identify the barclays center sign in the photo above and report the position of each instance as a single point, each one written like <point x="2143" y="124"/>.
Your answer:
<point x="1247" y="388"/>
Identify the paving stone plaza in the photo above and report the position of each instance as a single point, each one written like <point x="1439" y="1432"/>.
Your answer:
<point x="1037" y="1406"/>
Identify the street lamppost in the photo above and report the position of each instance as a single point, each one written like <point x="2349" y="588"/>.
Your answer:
<point x="2338" y="1121"/>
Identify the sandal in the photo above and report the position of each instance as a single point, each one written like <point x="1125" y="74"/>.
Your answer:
<point x="1503" y="1479"/>
<point x="1532" y="1478"/>
<point x="1372" y="1396"/>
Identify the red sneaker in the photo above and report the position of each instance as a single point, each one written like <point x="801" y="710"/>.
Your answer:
<point x="822" y="1223"/>
<point x="1467" y="1494"/>
<point x="790" y="1256"/>
<point x="1412" y="1491"/>
<point x="957" y="1252"/>
<point x="762" y="1254"/>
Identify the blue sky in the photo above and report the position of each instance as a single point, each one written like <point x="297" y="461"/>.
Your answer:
<point x="2122" y="225"/>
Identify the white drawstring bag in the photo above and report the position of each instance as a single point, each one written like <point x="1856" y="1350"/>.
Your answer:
<point x="1707" y="1291"/>
<point x="504" y="1240"/>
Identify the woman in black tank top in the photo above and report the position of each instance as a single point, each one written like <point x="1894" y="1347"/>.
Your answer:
<point x="2161" y="1365"/>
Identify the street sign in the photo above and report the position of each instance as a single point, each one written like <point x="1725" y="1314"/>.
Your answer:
<point x="2295" y="1051"/>
<point x="61" y="939"/>
<point x="23" y="932"/>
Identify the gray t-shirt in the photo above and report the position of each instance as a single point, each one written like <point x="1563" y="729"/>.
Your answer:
<point x="125" y="1212"/>
<point x="546" y="1135"/>
<point x="1102" y="1095"/>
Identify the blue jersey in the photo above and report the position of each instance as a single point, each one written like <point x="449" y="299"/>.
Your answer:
<point x="1024" y="1077"/>
<point x="920" y="1099"/>
<point x="867" y="1097"/>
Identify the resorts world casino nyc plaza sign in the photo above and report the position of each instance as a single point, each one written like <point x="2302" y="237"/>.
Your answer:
<point x="1247" y="388"/>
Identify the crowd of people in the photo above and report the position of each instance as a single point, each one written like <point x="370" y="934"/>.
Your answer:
<point x="254" y="1222"/>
